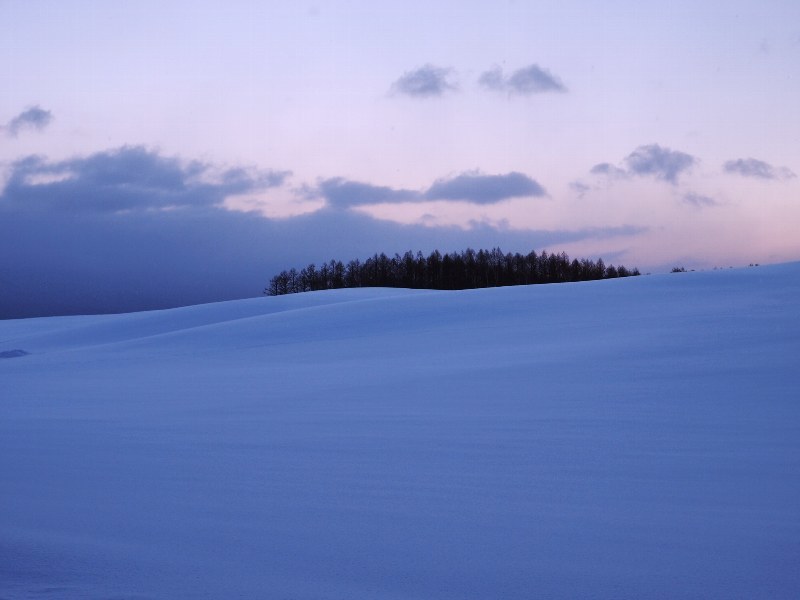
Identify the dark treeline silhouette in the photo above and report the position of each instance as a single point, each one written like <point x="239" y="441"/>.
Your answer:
<point x="455" y="271"/>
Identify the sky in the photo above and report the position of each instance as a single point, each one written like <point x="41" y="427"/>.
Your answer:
<point x="156" y="154"/>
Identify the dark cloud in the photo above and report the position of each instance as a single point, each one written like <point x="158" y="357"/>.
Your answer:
<point x="751" y="167"/>
<point x="471" y="187"/>
<point x="484" y="189"/>
<point x="32" y="118"/>
<point x="75" y="255"/>
<point x="659" y="162"/>
<point x="126" y="179"/>
<point x="340" y="192"/>
<point x="527" y="80"/>
<point x="425" y="82"/>
<point x="698" y="200"/>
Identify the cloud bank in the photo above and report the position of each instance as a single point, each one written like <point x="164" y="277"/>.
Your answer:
<point x="525" y="81"/>
<point x="32" y="118"/>
<point x="425" y="82"/>
<point x="130" y="229"/>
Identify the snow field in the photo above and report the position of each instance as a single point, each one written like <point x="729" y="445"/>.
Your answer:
<point x="632" y="438"/>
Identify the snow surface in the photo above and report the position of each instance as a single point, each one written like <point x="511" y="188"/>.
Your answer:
<point x="633" y="438"/>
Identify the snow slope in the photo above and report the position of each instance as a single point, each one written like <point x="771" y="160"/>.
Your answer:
<point x="633" y="438"/>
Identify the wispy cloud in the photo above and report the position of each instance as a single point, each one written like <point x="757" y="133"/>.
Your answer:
<point x="425" y="82"/>
<point x="580" y="188"/>
<point x="608" y="170"/>
<point x="493" y="79"/>
<point x="525" y="81"/>
<point x="32" y="118"/>
<point x="659" y="162"/>
<point x="751" y="167"/>
<point x="699" y="200"/>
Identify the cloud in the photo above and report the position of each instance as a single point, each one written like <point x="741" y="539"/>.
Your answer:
<point x="121" y="248"/>
<point x="484" y="189"/>
<point x="340" y="192"/>
<point x="580" y="188"/>
<point x="649" y="160"/>
<point x="425" y="82"/>
<point x="698" y="200"/>
<point x="527" y="80"/>
<point x="471" y="186"/>
<point x="130" y="178"/>
<point x="32" y="118"/>
<point x="609" y="170"/>
<point x="659" y="162"/>
<point x="493" y="79"/>
<point x="751" y="167"/>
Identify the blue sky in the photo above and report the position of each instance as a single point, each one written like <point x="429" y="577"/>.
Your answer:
<point x="171" y="152"/>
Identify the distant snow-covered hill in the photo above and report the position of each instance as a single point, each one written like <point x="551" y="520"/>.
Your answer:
<point x="633" y="438"/>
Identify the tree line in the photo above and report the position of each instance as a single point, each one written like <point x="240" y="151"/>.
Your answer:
<point x="454" y="271"/>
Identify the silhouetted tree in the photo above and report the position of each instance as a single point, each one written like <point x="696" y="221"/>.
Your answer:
<point x="456" y="270"/>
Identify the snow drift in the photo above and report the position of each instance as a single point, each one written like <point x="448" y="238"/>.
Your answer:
<point x="627" y="438"/>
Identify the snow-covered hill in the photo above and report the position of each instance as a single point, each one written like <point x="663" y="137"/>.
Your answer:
<point x="633" y="438"/>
